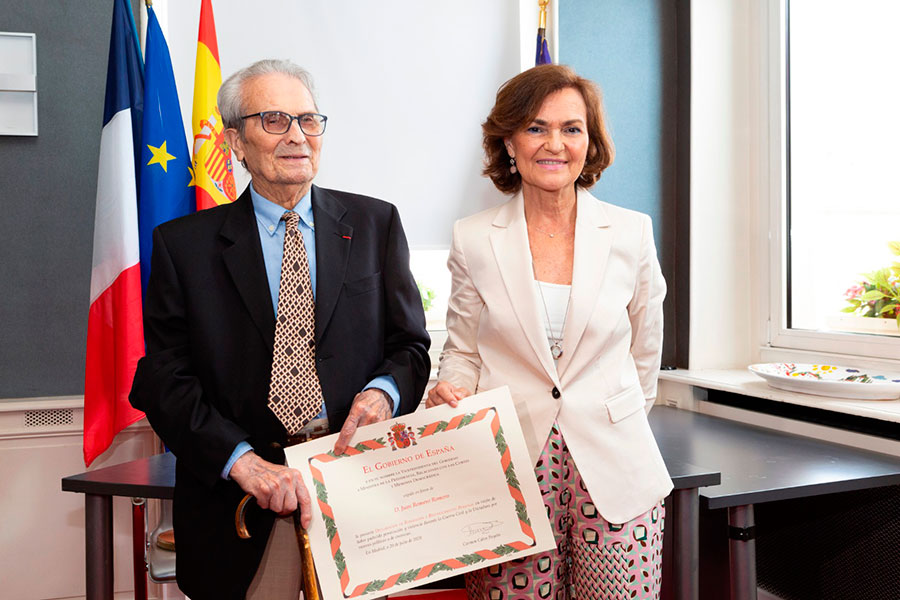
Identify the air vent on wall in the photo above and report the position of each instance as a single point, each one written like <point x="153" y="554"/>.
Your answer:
<point x="54" y="417"/>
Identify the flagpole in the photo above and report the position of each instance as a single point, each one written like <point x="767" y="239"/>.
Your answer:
<point x="542" y="16"/>
<point x="161" y="8"/>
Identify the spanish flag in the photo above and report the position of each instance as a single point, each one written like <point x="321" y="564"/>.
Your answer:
<point x="213" y="171"/>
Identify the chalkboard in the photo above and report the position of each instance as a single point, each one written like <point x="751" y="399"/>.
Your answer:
<point x="48" y="186"/>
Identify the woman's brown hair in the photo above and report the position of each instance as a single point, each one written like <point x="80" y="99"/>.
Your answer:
<point x="518" y="102"/>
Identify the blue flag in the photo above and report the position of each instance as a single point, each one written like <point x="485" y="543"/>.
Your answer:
<point x="542" y="52"/>
<point x="166" y="182"/>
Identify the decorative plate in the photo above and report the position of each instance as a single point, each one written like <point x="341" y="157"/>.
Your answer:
<point x="829" y="380"/>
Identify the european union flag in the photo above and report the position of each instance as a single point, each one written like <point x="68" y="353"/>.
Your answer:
<point x="166" y="186"/>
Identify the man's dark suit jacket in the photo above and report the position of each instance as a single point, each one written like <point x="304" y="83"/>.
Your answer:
<point x="209" y="326"/>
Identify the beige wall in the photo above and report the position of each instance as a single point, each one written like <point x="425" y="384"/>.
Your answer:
<point x="42" y="533"/>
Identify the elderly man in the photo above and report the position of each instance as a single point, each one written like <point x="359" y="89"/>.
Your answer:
<point x="286" y="315"/>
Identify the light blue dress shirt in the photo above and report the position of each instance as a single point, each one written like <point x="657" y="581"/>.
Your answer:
<point x="271" y="237"/>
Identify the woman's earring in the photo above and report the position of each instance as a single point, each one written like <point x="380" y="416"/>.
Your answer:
<point x="512" y="165"/>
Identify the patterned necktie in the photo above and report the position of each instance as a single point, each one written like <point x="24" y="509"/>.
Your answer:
<point x="295" y="395"/>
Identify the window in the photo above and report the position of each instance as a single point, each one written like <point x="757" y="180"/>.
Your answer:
<point x="834" y="151"/>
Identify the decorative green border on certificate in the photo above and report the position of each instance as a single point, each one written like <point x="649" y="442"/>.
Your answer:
<point x="457" y="422"/>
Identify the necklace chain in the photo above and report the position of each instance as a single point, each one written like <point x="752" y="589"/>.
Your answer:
<point x="547" y="233"/>
<point x="556" y="350"/>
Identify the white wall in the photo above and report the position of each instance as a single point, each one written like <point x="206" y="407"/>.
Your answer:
<point x="434" y="67"/>
<point x="724" y="188"/>
<point x="405" y="85"/>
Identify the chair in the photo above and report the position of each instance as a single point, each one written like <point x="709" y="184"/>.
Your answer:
<point x="148" y="557"/>
<point x="161" y="562"/>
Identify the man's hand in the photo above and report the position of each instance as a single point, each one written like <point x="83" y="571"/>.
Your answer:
<point x="446" y="393"/>
<point x="369" y="406"/>
<point x="275" y="487"/>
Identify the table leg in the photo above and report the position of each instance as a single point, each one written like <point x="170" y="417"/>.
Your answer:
<point x="98" y="555"/>
<point x="685" y="523"/>
<point x="742" y="552"/>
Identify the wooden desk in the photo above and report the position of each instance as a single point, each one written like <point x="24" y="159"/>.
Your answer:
<point x="683" y="505"/>
<point x="763" y="465"/>
<point x="154" y="477"/>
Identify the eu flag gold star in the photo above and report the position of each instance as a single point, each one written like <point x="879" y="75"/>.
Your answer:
<point x="160" y="156"/>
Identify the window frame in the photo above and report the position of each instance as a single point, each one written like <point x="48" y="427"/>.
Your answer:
<point x="778" y="340"/>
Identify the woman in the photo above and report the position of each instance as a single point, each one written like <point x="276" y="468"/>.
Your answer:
<point x="559" y="296"/>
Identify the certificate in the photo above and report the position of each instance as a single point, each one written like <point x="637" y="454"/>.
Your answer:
<point x="422" y="497"/>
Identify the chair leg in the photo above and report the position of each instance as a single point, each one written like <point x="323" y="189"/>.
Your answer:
<point x="139" y="547"/>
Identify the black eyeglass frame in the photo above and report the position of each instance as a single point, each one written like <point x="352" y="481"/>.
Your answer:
<point x="262" y="122"/>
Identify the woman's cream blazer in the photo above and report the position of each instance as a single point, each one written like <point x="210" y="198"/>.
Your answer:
<point x="605" y="381"/>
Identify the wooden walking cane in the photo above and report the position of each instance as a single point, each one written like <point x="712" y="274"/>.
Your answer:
<point x="308" y="582"/>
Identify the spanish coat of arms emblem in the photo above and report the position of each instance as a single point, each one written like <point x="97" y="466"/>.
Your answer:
<point x="401" y="436"/>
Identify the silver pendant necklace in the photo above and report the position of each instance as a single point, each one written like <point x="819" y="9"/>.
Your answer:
<point x="548" y="234"/>
<point x="556" y="350"/>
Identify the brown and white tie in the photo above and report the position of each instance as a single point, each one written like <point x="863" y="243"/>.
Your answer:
<point x="295" y="395"/>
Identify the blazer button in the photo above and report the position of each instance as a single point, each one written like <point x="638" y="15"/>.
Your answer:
<point x="555" y="393"/>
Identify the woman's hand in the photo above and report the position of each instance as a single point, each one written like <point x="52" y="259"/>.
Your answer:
<point x="445" y="393"/>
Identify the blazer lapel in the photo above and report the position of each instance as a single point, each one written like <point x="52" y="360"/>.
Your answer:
<point x="244" y="261"/>
<point x="509" y="241"/>
<point x="333" y="241"/>
<point x="593" y="239"/>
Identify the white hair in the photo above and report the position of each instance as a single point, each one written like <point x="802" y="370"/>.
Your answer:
<point x="231" y="93"/>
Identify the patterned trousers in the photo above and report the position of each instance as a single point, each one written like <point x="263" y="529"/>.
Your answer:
<point x="594" y="559"/>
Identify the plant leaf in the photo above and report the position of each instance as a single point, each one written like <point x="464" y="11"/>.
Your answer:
<point x="880" y="278"/>
<point x="888" y="308"/>
<point x="872" y="295"/>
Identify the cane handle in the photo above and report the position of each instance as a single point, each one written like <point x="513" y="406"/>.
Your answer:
<point x="239" y="524"/>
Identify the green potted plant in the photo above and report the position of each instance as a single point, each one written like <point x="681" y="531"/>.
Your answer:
<point x="427" y="295"/>
<point x="877" y="295"/>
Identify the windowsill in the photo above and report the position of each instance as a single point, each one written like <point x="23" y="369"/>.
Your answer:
<point x="745" y="383"/>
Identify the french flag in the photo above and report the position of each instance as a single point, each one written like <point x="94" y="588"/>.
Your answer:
<point x="115" y="338"/>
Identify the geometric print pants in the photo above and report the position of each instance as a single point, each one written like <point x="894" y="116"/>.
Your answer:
<point x="593" y="559"/>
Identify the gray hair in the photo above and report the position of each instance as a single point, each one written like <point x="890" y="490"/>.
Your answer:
<point x="231" y="94"/>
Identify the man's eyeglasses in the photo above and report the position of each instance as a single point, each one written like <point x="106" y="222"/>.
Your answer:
<point x="277" y="122"/>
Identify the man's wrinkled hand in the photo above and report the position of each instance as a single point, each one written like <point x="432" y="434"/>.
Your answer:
<point x="275" y="487"/>
<point x="369" y="406"/>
